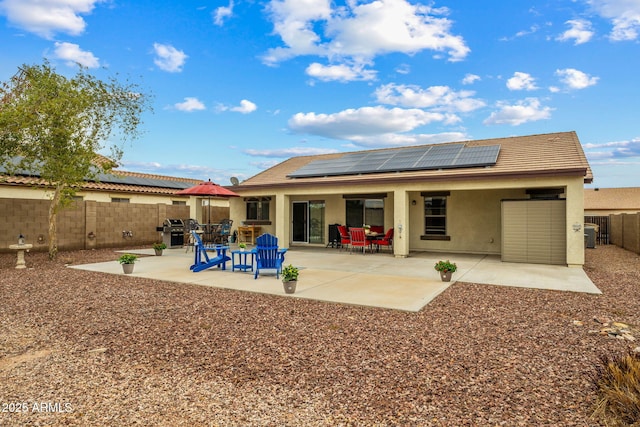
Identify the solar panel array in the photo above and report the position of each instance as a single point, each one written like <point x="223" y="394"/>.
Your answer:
<point x="446" y="156"/>
<point x="115" y="179"/>
<point x="147" y="182"/>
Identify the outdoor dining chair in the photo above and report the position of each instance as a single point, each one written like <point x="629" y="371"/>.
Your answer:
<point x="358" y="239"/>
<point x="268" y="255"/>
<point x="345" y="240"/>
<point x="387" y="240"/>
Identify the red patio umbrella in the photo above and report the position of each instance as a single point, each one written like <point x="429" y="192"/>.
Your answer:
<point x="208" y="189"/>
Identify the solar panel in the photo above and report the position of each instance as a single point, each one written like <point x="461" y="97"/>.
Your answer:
<point x="146" y="182"/>
<point x="444" y="156"/>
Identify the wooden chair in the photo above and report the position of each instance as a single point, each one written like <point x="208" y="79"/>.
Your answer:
<point x="387" y="240"/>
<point x="201" y="258"/>
<point x="268" y="255"/>
<point x="345" y="240"/>
<point x="358" y="239"/>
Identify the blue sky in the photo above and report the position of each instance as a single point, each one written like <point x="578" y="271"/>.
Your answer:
<point x="239" y="86"/>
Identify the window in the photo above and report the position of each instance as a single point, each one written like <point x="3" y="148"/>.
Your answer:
<point x="119" y="200"/>
<point x="365" y="211"/>
<point x="258" y="209"/>
<point x="179" y="202"/>
<point x="435" y="215"/>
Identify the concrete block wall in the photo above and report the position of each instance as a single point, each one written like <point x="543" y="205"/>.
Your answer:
<point x="625" y="231"/>
<point x="616" y="230"/>
<point x="84" y="224"/>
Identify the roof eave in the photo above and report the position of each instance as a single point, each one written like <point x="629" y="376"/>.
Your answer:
<point x="303" y="182"/>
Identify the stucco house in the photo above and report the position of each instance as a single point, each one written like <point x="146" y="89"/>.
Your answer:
<point x="606" y="201"/>
<point x="121" y="201"/>
<point x="518" y="197"/>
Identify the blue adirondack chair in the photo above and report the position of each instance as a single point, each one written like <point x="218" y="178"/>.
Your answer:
<point x="268" y="255"/>
<point x="202" y="260"/>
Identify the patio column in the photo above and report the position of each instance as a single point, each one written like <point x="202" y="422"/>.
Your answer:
<point x="401" y="223"/>
<point x="575" y="223"/>
<point x="282" y="220"/>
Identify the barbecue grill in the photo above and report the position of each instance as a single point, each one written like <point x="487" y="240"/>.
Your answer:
<point x="173" y="232"/>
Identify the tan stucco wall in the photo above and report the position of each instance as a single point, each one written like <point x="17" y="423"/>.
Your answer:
<point x="607" y="212"/>
<point x="474" y="222"/>
<point x="9" y="192"/>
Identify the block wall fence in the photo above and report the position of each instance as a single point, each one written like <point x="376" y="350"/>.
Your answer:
<point x="84" y="224"/>
<point x="625" y="231"/>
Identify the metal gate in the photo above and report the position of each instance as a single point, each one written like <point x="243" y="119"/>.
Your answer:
<point x="604" y="224"/>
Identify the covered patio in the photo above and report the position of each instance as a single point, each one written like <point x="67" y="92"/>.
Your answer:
<point x="376" y="280"/>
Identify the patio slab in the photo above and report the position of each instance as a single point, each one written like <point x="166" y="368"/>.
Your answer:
<point x="378" y="280"/>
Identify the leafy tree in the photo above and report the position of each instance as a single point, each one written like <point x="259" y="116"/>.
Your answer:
<point x="53" y="127"/>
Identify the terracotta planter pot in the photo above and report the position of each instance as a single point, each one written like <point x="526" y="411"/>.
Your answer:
<point x="127" y="268"/>
<point x="289" y="287"/>
<point x="446" y="276"/>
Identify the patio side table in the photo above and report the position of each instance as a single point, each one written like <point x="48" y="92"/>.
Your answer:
<point x="242" y="263"/>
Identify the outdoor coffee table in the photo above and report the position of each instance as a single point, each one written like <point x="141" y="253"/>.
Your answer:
<point x="243" y="263"/>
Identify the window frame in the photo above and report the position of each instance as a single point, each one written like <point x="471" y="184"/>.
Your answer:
<point x="442" y="215"/>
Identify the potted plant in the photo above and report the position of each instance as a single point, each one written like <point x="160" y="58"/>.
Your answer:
<point x="159" y="247"/>
<point x="290" y="278"/>
<point x="446" y="268"/>
<point x="242" y="246"/>
<point x="127" y="261"/>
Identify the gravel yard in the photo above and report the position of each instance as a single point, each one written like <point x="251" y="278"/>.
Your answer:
<point x="91" y="349"/>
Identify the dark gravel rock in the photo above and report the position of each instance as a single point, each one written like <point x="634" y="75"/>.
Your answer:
<point x="92" y="349"/>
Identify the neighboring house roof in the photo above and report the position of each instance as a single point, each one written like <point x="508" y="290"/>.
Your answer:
<point x="117" y="181"/>
<point x="545" y="155"/>
<point x="624" y="198"/>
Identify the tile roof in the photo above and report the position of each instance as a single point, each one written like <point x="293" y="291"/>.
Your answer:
<point x="623" y="198"/>
<point x="551" y="154"/>
<point x="163" y="185"/>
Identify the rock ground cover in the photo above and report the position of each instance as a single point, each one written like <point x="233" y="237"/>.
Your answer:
<point x="88" y="349"/>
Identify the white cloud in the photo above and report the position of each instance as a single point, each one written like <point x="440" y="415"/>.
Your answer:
<point x="365" y="123"/>
<point x="624" y="15"/>
<point x="576" y="79"/>
<point x="405" y="139"/>
<point x="579" y="31"/>
<point x="521" y="81"/>
<point x="470" y="79"/>
<point x="222" y="13"/>
<point x="245" y="107"/>
<point x="441" y="98"/>
<point x="190" y="104"/>
<point x="403" y="69"/>
<point x="168" y="58"/>
<point x="343" y="72"/>
<point x="289" y="152"/>
<point x="47" y="17"/>
<point x="527" y="110"/>
<point x="74" y="55"/>
<point x="614" y="149"/>
<point x="391" y="26"/>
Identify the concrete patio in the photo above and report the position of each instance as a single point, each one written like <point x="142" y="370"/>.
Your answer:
<point x="377" y="280"/>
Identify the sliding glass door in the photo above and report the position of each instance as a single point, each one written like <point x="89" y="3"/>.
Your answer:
<point x="308" y="222"/>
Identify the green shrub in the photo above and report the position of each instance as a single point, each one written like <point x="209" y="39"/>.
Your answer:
<point x="127" y="259"/>
<point x="617" y="382"/>
<point x="290" y="273"/>
<point x="446" y="266"/>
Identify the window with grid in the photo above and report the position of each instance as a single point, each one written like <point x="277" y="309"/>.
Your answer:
<point x="435" y="215"/>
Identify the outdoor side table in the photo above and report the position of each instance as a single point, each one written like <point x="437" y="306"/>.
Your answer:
<point x="243" y="262"/>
